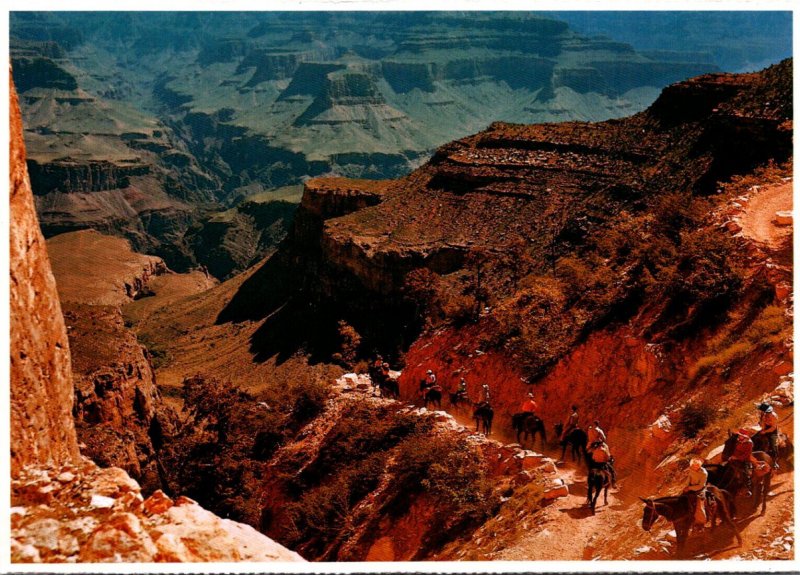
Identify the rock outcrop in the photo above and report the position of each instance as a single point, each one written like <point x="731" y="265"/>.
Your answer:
<point x="120" y="416"/>
<point x="95" y="269"/>
<point x="42" y="429"/>
<point x="84" y="514"/>
<point x="505" y="230"/>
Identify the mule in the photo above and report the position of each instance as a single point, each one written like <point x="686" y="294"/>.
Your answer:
<point x="389" y="388"/>
<point x="529" y="425"/>
<point x="483" y="415"/>
<point x="458" y="399"/>
<point x="599" y="480"/>
<point x="678" y="511"/>
<point x="785" y="451"/>
<point x="433" y="395"/>
<point x="576" y="440"/>
<point x="728" y="478"/>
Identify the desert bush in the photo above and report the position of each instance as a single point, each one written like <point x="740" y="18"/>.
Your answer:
<point x="770" y="328"/>
<point x="349" y="340"/>
<point x="221" y="450"/>
<point x="694" y="417"/>
<point x="452" y="472"/>
<point x="360" y="431"/>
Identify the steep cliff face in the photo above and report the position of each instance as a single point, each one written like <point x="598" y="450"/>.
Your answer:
<point x="120" y="417"/>
<point x="42" y="429"/>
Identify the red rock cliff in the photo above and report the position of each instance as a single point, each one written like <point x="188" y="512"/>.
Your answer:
<point x="42" y="429"/>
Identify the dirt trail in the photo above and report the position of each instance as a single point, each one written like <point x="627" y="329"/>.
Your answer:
<point x="566" y="530"/>
<point x="758" y="219"/>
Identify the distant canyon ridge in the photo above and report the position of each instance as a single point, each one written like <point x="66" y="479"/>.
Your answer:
<point x="191" y="134"/>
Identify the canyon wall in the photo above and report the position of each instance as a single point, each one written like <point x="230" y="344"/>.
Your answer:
<point x="42" y="429"/>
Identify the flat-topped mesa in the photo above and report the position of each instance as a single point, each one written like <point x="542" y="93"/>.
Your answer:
<point x="96" y="269"/>
<point x="334" y="197"/>
<point x="325" y="198"/>
<point x="348" y="96"/>
<point x="271" y="64"/>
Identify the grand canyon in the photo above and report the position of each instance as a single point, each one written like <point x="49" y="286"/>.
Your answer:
<point x="219" y="221"/>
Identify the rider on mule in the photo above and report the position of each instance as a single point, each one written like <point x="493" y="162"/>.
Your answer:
<point x="768" y="422"/>
<point x="528" y="409"/>
<point x="427" y="383"/>
<point x="695" y="491"/>
<point x="594" y="434"/>
<point x="572" y="423"/>
<point x="485" y="396"/>
<point x="462" y="388"/>
<point x="376" y="372"/>
<point x="742" y="460"/>
<point x="600" y="458"/>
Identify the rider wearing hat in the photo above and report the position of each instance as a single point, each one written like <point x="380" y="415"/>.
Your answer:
<point x="572" y="423"/>
<point x="601" y="458"/>
<point x="696" y="490"/>
<point x="485" y="395"/>
<point x="768" y="422"/>
<point x="428" y="382"/>
<point x="529" y="406"/>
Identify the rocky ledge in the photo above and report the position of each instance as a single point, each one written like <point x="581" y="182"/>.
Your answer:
<point x="81" y="513"/>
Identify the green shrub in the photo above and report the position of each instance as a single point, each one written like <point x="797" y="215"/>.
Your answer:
<point x="452" y="473"/>
<point x="770" y="328"/>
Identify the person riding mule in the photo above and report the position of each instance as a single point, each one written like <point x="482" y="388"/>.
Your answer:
<point x="600" y="458"/>
<point x="741" y="460"/>
<point x="528" y="409"/>
<point x="376" y="372"/>
<point x="429" y="390"/>
<point x="676" y="510"/>
<point x="768" y="423"/>
<point x="486" y="397"/>
<point x="571" y="423"/>
<point x="695" y="491"/>
<point x="594" y="434"/>
<point x="460" y="396"/>
<point x="428" y="383"/>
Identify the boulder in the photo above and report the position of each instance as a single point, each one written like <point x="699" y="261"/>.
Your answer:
<point x="783" y="218"/>
<point x="157" y="503"/>
<point x="556" y="489"/>
<point x="529" y="459"/>
<point x="783" y="394"/>
<point x="715" y="455"/>
<point x="119" y="538"/>
<point x="783" y="290"/>
<point x="662" y="429"/>
<point x="548" y="466"/>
